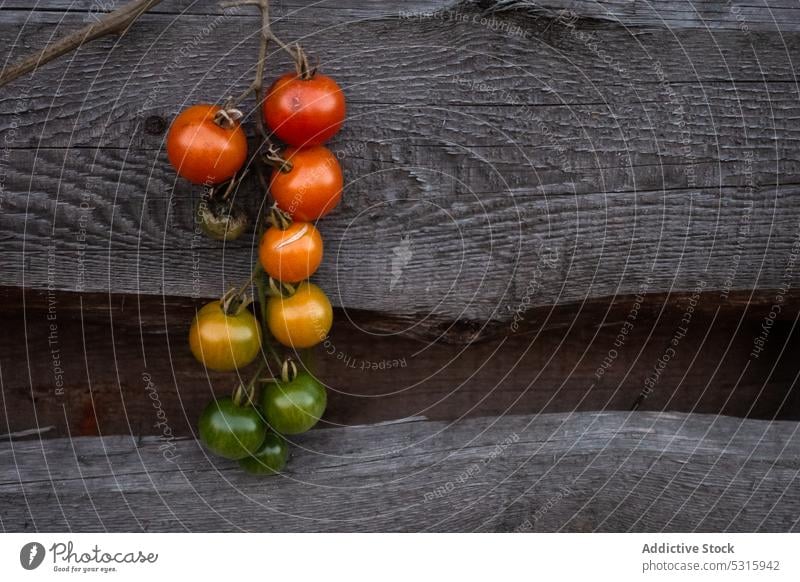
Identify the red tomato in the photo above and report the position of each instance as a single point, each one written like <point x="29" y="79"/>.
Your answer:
<point x="202" y="151"/>
<point x="312" y="188"/>
<point x="304" y="112"/>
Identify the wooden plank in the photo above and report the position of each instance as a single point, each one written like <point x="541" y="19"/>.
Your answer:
<point x="280" y="9"/>
<point x="122" y="365"/>
<point x="673" y="14"/>
<point x="523" y="248"/>
<point x="564" y="472"/>
<point x="767" y="15"/>
<point x="506" y="165"/>
<point x="569" y="69"/>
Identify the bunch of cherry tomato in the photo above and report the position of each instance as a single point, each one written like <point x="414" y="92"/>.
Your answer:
<point x="207" y="145"/>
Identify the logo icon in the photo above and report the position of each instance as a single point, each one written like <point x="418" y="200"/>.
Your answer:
<point x="31" y="555"/>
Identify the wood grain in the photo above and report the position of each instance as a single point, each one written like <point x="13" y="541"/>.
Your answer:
<point x="559" y="472"/>
<point x="108" y="24"/>
<point x="580" y="161"/>
<point x="516" y="174"/>
<point x="778" y="15"/>
<point x="768" y="15"/>
<point x="520" y="250"/>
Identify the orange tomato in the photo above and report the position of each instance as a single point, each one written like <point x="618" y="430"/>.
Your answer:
<point x="304" y="112"/>
<point x="202" y="151"/>
<point x="291" y="255"/>
<point x="302" y="320"/>
<point x="313" y="187"/>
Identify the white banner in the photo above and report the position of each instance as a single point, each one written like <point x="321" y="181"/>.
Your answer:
<point x="401" y="557"/>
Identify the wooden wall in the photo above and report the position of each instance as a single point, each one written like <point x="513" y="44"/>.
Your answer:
<point x="573" y="223"/>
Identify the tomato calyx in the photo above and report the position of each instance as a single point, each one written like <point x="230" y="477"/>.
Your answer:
<point x="228" y="117"/>
<point x="288" y="370"/>
<point x="235" y="300"/>
<point x="277" y="288"/>
<point x="273" y="158"/>
<point x="244" y="395"/>
<point x="279" y="218"/>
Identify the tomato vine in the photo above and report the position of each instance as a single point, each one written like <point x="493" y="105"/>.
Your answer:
<point x="206" y="146"/>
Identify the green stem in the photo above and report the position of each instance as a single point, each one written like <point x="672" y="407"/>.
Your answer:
<point x="266" y="335"/>
<point x="256" y="87"/>
<point x="233" y="300"/>
<point x="248" y="392"/>
<point x="262" y="365"/>
<point x="253" y="275"/>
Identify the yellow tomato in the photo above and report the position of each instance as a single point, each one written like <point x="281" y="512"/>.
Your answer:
<point x="224" y="342"/>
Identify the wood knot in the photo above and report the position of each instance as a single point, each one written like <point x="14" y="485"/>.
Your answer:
<point x="155" y="125"/>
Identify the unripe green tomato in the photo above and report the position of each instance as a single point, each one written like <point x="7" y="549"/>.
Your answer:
<point x="231" y="431"/>
<point x="269" y="459"/>
<point x="294" y="407"/>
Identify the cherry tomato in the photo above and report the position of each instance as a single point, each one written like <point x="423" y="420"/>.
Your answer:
<point x="202" y="151"/>
<point x="313" y="187"/>
<point x="294" y="407"/>
<point x="304" y="112"/>
<point x="302" y="320"/>
<point x="231" y="431"/>
<point x="293" y="254"/>
<point x="224" y="342"/>
<point x="269" y="459"/>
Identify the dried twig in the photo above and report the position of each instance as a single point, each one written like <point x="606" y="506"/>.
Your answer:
<point x="256" y="88"/>
<point x="296" y="53"/>
<point x="116" y="22"/>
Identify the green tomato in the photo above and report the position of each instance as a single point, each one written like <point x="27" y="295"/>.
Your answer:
<point x="294" y="407"/>
<point x="231" y="431"/>
<point x="269" y="459"/>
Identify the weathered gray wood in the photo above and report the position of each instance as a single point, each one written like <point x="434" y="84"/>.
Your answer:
<point x="568" y="472"/>
<point x="149" y="245"/>
<point x="279" y="9"/>
<point x="580" y="165"/>
<point x="112" y="23"/>
<point x="777" y="15"/>
<point x="766" y="15"/>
